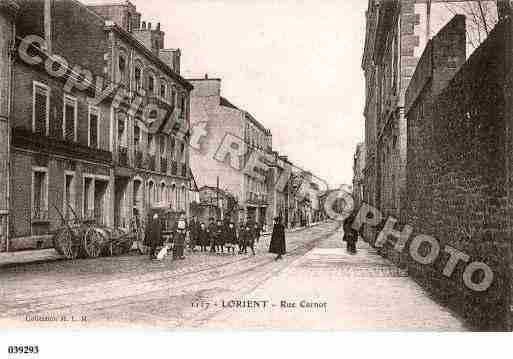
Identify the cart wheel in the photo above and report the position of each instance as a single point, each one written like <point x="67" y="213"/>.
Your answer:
<point x="92" y="243"/>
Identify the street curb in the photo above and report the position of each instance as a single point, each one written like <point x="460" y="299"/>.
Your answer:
<point x="37" y="261"/>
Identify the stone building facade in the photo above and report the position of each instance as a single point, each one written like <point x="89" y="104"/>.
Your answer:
<point x="232" y="146"/>
<point x="150" y="145"/>
<point x="8" y="12"/>
<point x="100" y="126"/>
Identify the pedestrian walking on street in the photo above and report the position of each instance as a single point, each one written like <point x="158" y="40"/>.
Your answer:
<point x="230" y="238"/>
<point x="212" y="229"/>
<point x="203" y="237"/>
<point x="219" y="238"/>
<point x="277" y="245"/>
<point x="350" y="234"/>
<point x="153" y="236"/>
<point x="194" y="231"/>
<point x="246" y="239"/>
<point x="179" y="241"/>
<point x="257" y="230"/>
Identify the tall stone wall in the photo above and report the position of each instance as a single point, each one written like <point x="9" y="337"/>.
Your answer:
<point x="458" y="176"/>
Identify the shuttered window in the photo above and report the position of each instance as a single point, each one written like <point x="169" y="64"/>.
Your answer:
<point x="41" y="103"/>
<point x="94" y="123"/>
<point x="69" y="118"/>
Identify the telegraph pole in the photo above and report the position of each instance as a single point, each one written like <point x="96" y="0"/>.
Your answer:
<point x="217" y="199"/>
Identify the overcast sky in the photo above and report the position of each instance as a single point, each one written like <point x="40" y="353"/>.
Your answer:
<point x="293" y="64"/>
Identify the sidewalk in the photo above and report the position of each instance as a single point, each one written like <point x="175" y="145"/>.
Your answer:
<point x="25" y="257"/>
<point x="344" y="292"/>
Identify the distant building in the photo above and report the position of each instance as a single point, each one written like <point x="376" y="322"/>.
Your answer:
<point x="226" y="124"/>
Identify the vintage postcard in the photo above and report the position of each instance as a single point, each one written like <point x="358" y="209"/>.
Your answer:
<point x="292" y="165"/>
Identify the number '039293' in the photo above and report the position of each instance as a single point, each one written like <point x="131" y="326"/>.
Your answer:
<point x="30" y="349"/>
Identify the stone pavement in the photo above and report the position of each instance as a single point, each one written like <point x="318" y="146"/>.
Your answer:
<point x="360" y="292"/>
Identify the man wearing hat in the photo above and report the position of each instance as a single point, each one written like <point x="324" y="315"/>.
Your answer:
<point x="194" y="232"/>
<point x="212" y="229"/>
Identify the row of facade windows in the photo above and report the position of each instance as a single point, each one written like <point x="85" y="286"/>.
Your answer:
<point x="162" y="89"/>
<point x="94" y="204"/>
<point x="41" y="116"/>
<point x="41" y="124"/>
<point x="161" y="144"/>
<point x="95" y="196"/>
<point x="158" y="193"/>
<point x="255" y="138"/>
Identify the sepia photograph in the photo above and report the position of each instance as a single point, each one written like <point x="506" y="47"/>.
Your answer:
<point x="262" y="166"/>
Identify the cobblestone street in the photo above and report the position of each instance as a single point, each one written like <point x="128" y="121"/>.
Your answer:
<point x="208" y="291"/>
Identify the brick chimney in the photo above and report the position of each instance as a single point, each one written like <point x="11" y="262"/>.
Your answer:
<point x="171" y="57"/>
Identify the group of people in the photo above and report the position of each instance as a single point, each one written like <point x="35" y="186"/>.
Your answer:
<point x="214" y="238"/>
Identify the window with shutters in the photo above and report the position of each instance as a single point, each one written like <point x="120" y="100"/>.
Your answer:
<point x="137" y="136"/>
<point x="69" y="196"/>
<point x="40" y="109"/>
<point x="163" y="89"/>
<point x="172" y="147"/>
<point x="122" y="69"/>
<point x="163" y="145"/>
<point x="122" y="130"/>
<point x="138" y="78"/>
<point x="151" y="84"/>
<point x="40" y="194"/>
<point x="94" y="127"/>
<point x="151" y="144"/>
<point x="173" y="96"/>
<point x="69" y="122"/>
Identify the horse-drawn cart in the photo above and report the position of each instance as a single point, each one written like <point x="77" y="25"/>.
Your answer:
<point x="90" y="240"/>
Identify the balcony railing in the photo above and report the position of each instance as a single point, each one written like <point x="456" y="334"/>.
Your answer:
<point x="163" y="165"/>
<point x="151" y="162"/>
<point x="138" y="159"/>
<point x="174" y="168"/>
<point x="123" y="156"/>
<point x="27" y="139"/>
<point x="40" y="215"/>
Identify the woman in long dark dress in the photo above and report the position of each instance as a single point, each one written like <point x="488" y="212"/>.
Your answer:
<point x="153" y="237"/>
<point x="277" y="245"/>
